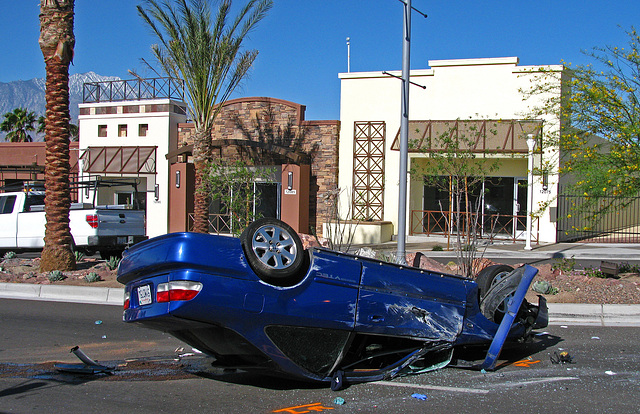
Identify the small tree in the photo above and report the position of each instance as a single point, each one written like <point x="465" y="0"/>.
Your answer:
<point x="455" y="167"/>
<point x="232" y="185"/>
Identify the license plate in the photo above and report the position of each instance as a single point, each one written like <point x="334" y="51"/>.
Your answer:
<point x="144" y="295"/>
<point x="121" y="239"/>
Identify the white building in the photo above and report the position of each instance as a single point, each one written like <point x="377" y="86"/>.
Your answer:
<point x="487" y="91"/>
<point x="131" y="138"/>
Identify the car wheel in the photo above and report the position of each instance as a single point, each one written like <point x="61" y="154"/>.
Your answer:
<point x="495" y="303"/>
<point x="274" y="251"/>
<point x="491" y="275"/>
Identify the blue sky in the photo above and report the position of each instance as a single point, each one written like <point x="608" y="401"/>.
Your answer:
<point x="302" y="43"/>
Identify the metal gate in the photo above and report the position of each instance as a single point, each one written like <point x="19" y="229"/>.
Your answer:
<point x="620" y="223"/>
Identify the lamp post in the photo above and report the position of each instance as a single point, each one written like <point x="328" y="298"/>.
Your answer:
<point x="531" y="144"/>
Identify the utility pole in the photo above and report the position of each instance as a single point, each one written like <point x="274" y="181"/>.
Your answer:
<point x="404" y="131"/>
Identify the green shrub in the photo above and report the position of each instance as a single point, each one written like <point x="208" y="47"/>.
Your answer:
<point x="437" y="248"/>
<point x="92" y="277"/>
<point x="564" y="264"/>
<point x="593" y="272"/>
<point x="113" y="262"/>
<point x="9" y="255"/>
<point x="544" y="287"/>
<point x="628" y="268"/>
<point x="56" y="276"/>
<point x="79" y="256"/>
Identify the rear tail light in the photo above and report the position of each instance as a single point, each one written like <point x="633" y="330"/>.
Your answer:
<point x="92" y="220"/>
<point x="177" y="290"/>
<point x="127" y="300"/>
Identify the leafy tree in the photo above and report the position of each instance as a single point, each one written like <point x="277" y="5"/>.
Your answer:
<point x="17" y="124"/>
<point x="597" y="106"/>
<point x="232" y="185"/>
<point x="604" y="101"/>
<point x="56" y="43"/>
<point x="205" y="51"/>
<point x="454" y="167"/>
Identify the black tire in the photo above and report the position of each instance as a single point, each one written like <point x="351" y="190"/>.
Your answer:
<point x="491" y="275"/>
<point x="495" y="303"/>
<point x="274" y="251"/>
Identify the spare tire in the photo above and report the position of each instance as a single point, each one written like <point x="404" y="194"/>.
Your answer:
<point x="274" y="251"/>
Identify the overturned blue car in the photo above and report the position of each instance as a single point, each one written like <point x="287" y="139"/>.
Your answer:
<point x="264" y="302"/>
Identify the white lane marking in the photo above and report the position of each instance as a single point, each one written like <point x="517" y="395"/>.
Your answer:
<point x="431" y="387"/>
<point x="473" y="390"/>
<point x="538" y="381"/>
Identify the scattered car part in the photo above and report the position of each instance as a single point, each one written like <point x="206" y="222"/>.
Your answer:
<point x="88" y="366"/>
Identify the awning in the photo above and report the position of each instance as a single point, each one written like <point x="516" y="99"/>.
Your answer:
<point x="485" y="135"/>
<point x="119" y="160"/>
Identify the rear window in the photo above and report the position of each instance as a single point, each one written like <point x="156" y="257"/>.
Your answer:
<point x="6" y="204"/>
<point x="33" y="200"/>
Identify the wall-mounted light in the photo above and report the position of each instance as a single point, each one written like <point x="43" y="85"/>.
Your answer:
<point x="290" y="180"/>
<point x="545" y="181"/>
<point x="177" y="179"/>
<point x="156" y="192"/>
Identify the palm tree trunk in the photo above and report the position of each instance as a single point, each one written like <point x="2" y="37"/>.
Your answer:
<point x="201" y="155"/>
<point x="56" y="42"/>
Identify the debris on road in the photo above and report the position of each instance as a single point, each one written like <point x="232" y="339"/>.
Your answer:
<point x="88" y="366"/>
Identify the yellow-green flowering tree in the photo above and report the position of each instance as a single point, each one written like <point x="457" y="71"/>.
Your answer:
<point x="603" y="100"/>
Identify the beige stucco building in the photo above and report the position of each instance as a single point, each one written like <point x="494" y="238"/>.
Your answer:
<point x="451" y="94"/>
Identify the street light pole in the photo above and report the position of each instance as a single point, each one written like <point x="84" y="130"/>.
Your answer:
<point x="531" y="144"/>
<point x="404" y="135"/>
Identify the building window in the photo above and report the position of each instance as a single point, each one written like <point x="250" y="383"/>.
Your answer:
<point x="102" y="131"/>
<point x="142" y="130"/>
<point x="122" y="131"/>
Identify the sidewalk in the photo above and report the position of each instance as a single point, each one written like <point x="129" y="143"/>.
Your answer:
<point x="508" y="249"/>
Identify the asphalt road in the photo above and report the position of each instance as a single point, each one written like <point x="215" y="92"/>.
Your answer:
<point x="151" y="377"/>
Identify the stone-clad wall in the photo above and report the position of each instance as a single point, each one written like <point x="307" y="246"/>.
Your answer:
<point x="296" y="141"/>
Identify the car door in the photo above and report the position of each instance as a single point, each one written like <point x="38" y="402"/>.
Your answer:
<point x="400" y="301"/>
<point x="8" y="222"/>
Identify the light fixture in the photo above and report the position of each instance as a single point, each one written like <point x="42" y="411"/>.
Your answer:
<point x="156" y="192"/>
<point x="177" y="179"/>
<point x="290" y="180"/>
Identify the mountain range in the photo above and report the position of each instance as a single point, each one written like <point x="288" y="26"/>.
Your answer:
<point x="29" y="94"/>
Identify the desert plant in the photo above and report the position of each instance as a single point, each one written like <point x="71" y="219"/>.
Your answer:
<point x="113" y="262"/>
<point x="625" y="267"/>
<point x="79" y="256"/>
<point x="437" y="248"/>
<point x="564" y="264"/>
<point x="593" y="272"/>
<point x="9" y="255"/>
<point x="92" y="277"/>
<point x="56" y="276"/>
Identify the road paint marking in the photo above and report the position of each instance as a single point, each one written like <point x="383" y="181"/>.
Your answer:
<point x="301" y="409"/>
<point x="526" y="363"/>
<point x="432" y="387"/>
<point x="538" y="381"/>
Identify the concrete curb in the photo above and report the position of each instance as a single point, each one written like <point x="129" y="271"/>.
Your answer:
<point x="73" y="294"/>
<point x="559" y="313"/>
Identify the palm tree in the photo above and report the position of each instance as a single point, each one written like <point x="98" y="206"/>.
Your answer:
<point x="57" y="42"/>
<point x="206" y="52"/>
<point x="18" y="124"/>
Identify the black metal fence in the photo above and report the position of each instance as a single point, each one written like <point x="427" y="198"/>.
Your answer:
<point x="133" y="90"/>
<point x="579" y="221"/>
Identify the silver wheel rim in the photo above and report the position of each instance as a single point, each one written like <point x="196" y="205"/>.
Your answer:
<point x="274" y="247"/>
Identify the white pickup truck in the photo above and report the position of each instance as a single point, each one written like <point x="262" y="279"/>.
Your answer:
<point x="107" y="229"/>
